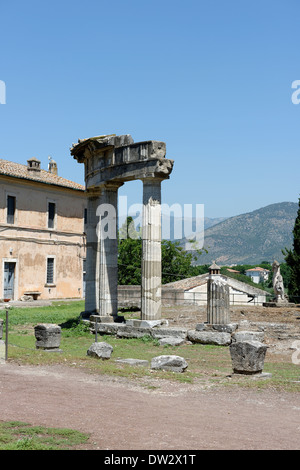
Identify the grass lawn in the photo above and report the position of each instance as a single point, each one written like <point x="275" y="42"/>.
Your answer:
<point x="15" y="435"/>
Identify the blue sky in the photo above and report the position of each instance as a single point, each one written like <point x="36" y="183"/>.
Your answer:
<point x="210" y="78"/>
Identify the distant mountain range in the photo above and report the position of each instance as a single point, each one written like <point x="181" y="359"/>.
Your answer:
<point x="250" y="238"/>
<point x="244" y="239"/>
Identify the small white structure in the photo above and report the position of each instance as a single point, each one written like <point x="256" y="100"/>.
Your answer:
<point x="240" y="293"/>
<point x="258" y="274"/>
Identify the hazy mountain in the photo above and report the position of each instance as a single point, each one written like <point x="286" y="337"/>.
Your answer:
<point x="175" y="228"/>
<point x="252" y="237"/>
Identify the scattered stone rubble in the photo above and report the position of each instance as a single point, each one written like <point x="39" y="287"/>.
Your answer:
<point x="172" y="363"/>
<point x="101" y="350"/>
<point x="246" y="347"/>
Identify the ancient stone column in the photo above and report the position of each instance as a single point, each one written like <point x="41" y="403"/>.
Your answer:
<point x="92" y="253"/>
<point x="110" y="161"/>
<point x="217" y="297"/>
<point x="102" y="251"/>
<point x="151" y="250"/>
<point x="108" y="250"/>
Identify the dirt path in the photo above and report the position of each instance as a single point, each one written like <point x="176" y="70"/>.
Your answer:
<point x="122" y="415"/>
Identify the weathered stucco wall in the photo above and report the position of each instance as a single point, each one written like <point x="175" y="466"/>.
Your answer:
<point x="28" y="242"/>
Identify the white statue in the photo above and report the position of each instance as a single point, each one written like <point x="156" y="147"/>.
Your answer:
<point x="278" y="283"/>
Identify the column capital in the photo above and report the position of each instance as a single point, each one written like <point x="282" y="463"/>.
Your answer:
<point x="98" y="190"/>
<point x="111" y="186"/>
<point x="151" y="180"/>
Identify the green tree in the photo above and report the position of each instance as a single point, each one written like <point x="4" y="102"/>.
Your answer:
<point x="129" y="254"/>
<point x="176" y="262"/>
<point x="292" y="258"/>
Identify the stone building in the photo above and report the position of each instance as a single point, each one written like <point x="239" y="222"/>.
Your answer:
<point x="258" y="274"/>
<point x="42" y="249"/>
<point x="240" y="293"/>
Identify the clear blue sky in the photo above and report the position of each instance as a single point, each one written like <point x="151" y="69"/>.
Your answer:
<point x="210" y="78"/>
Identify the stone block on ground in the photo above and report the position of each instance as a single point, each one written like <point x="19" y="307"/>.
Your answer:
<point x="105" y="328"/>
<point x="102" y="319"/>
<point x="248" y="336"/>
<point x="226" y="328"/>
<point x="209" y="337"/>
<point x="47" y="336"/>
<point x="125" y="331"/>
<point x="133" y="362"/>
<point x="169" y="363"/>
<point x="171" y="341"/>
<point x="101" y="350"/>
<point x="167" y="332"/>
<point x="145" y="323"/>
<point x="247" y="356"/>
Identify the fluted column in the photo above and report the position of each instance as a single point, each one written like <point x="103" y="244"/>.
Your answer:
<point x="102" y="251"/>
<point x="108" y="259"/>
<point x="217" y="300"/>
<point x="92" y="253"/>
<point x="151" y="250"/>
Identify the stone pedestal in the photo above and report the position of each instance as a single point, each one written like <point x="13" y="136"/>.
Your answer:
<point x="151" y="250"/>
<point x="247" y="356"/>
<point x="47" y="336"/>
<point x="217" y="300"/>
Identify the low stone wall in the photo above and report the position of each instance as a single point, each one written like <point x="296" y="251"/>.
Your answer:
<point x="130" y="297"/>
<point x="272" y="330"/>
<point x="209" y="334"/>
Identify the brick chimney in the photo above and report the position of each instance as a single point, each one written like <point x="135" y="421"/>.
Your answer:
<point x="33" y="164"/>
<point x="52" y="167"/>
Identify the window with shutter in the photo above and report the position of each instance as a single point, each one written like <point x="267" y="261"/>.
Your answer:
<point x="11" y="209"/>
<point x="51" y="214"/>
<point x="50" y="270"/>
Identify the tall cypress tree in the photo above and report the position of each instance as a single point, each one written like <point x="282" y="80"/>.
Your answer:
<point x="292" y="258"/>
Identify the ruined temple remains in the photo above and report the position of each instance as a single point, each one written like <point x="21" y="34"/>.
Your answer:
<point x="217" y="297"/>
<point x="109" y="162"/>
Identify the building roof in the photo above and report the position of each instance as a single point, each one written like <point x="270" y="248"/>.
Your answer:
<point x="196" y="281"/>
<point x="17" y="170"/>
<point x="257" y="270"/>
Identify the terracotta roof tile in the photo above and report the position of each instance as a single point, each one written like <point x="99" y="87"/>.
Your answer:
<point x="18" y="170"/>
<point x="257" y="269"/>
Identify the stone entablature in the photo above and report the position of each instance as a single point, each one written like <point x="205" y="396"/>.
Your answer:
<point x="119" y="159"/>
